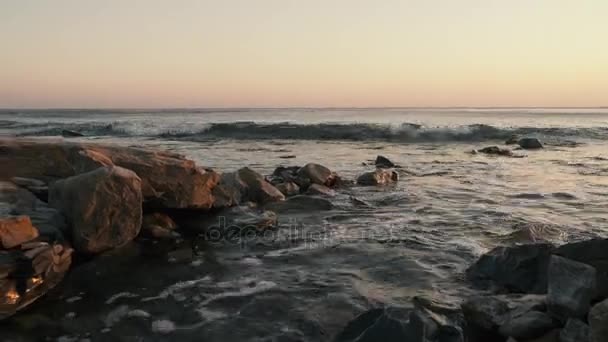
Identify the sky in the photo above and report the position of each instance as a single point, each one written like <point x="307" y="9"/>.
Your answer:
<point x="302" y="53"/>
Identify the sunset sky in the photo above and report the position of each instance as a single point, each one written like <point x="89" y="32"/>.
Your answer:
<point x="313" y="53"/>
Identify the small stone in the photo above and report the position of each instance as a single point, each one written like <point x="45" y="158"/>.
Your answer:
<point x="16" y="230"/>
<point x="530" y="143"/>
<point x="571" y="287"/>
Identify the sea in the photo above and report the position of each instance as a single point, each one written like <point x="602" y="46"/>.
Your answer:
<point x="318" y="270"/>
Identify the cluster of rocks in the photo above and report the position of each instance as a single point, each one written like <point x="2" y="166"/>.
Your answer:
<point x="524" y="143"/>
<point x="531" y="293"/>
<point x="59" y="197"/>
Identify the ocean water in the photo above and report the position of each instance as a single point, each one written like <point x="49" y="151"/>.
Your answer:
<point x="318" y="270"/>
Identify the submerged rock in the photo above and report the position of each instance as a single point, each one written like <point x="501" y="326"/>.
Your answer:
<point x="495" y="150"/>
<point x="513" y="140"/>
<point x="103" y="207"/>
<point x="518" y="269"/>
<point x="598" y="322"/>
<point x="230" y="221"/>
<point x="383" y="162"/>
<point x="70" y="134"/>
<point x="288" y="188"/>
<point x="571" y="287"/>
<point x="530" y="143"/>
<point x="378" y="177"/>
<point x="301" y="203"/>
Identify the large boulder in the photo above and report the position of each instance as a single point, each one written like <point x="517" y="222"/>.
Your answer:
<point x="378" y="177"/>
<point x="248" y="185"/>
<point x="103" y="207"/>
<point x="16" y="230"/>
<point x="530" y="143"/>
<point x="571" y="287"/>
<point x="168" y="180"/>
<point x="598" y="322"/>
<point x="591" y="252"/>
<point x="317" y="174"/>
<point x="516" y="269"/>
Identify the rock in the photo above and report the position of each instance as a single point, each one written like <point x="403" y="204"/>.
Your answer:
<point x="168" y="180"/>
<point x="158" y="225"/>
<point x="383" y="162"/>
<point x="532" y="324"/>
<point x="27" y="182"/>
<point x="316" y="189"/>
<point x="486" y="313"/>
<point x="552" y="336"/>
<point x="317" y="174"/>
<point x="437" y="321"/>
<point x="49" y="223"/>
<point x="571" y="287"/>
<point x="516" y="269"/>
<point x="574" y="331"/>
<point x="228" y="223"/>
<point x="252" y="186"/>
<point x="378" y="177"/>
<point x="227" y="192"/>
<point x="16" y="230"/>
<point x="378" y="325"/>
<point x="598" y="322"/>
<point x="301" y="203"/>
<point x="288" y="188"/>
<point x="103" y="207"/>
<point x="70" y="134"/>
<point x="513" y="140"/>
<point x="495" y="150"/>
<point x="591" y="252"/>
<point x="530" y="143"/>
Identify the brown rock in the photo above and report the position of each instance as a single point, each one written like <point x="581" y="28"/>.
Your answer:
<point x="253" y="187"/>
<point x="168" y="180"/>
<point x="288" y="188"/>
<point x="317" y="189"/>
<point x="102" y="207"/>
<point x="378" y="177"/>
<point x="159" y="225"/>
<point x="16" y="230"/>
<point x="318" y="174"/>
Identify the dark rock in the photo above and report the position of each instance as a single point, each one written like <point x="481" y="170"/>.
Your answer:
<point x="574" y="331"/>
<point x="103" y="207"/>
<point x="288" y="188"/>
<point x="552" y="336"/>
<point x="591" y="252"/>
<point x="15" y="231"/>
<point x="71" y="134"/>
<point x="255" y="188"/>
<point x="444" y="326"/>
<point x="532" y="324"/>
<point x="517" y="269"/>
<point x="530" y="143"/>
<point x="317" y="174"/>
<point x="228" y="223"/>
<point x="317" y="189"/>
<point x="495" y="150"/>
<point x="571" y="287"/>
<point x="379" y="325"/>
<point x="159" y="226"/>
<point x="598" y="322"/>
<point x="301" y="203"/>
<point x="514" y="139"/>
<point x="383" y="162"/>
<point x="378" y="177"/>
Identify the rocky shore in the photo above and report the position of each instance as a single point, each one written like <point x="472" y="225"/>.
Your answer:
<point x="66" y="205"/>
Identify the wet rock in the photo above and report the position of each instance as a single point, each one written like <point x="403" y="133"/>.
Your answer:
<point x="70" y="134"/>
<point x="317" y="174"/>
<point x="598" y="322"/>
<point x="574" y="331"/>
<point x="15" y="201"/>
<point x="571" y="287"/>
<point x="379" y="325"/>
<point x="288" y="188"/>
<point x="495" y="150"/>
<point x="230" y="222"/>
<point x="591" y="252"/>
<point x="253" y="187"/>
<point x="227" y="192"/>
<point x="513" y="140"/>
<point x="102" y="207"/>
<point x="286" y="173"/>
<point x="16" y="230"/>
<point x="530" y="143"/>
<point x="485" y="314"/>
<point x="378" y="177"/>
<point x="159" y="226"/>
<point x="316" y="189"/>
<point x="436" y="321"/>
<point x="517" y="269"/>
<point x="301" y="203"/>
<point x="383" y="162"/>
<point x="35" y="186"/>
<point x="532" y="324"/>
<point x="551" y="336"/>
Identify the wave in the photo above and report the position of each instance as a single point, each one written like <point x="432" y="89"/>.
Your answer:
<point x="245" y="130"/>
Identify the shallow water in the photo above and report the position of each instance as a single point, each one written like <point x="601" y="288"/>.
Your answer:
<point x="306" y="280"/>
